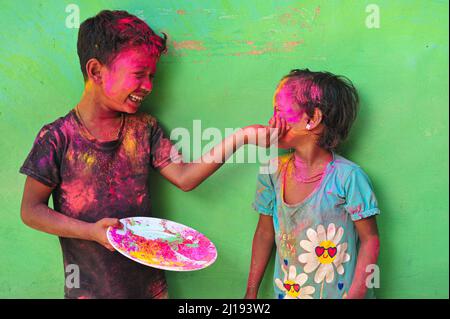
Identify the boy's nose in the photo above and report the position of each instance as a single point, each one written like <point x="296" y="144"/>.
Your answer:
<point x="147" y="86"/>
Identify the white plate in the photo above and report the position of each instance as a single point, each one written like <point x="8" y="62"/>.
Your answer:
<point x="162" y="244"/>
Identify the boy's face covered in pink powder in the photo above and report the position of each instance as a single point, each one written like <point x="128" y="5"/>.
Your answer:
<point x="128" y="79"/>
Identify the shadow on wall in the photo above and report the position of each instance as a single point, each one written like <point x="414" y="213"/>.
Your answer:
<point x="158" y="100"/>
<point x="353" y="145"/>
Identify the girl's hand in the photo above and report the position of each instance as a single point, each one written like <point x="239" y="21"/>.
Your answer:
<point x="97" y="231"/>
<point x="265" y="136"/>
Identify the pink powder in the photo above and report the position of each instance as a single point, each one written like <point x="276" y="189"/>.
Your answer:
<point x="162" y="252"/>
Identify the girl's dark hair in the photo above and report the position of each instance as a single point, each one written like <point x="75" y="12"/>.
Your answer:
<point x="106" y="34"/>
<point x="334" y="95"/>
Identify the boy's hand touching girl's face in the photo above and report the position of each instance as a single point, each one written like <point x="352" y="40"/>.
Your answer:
<point x="97" y="231"/>
<point x="265" y="136"/>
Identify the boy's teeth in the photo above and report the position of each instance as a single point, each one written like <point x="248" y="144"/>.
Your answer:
<point x="135" y="98"/>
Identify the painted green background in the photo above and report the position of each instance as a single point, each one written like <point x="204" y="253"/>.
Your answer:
<point x="224" y="61"/>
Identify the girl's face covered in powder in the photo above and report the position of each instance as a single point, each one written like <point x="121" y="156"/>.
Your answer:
<point x="285" y="106"/>
<point x="128" y="79"/>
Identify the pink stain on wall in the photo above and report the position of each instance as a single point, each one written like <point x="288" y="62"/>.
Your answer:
<point x="285" y="18"/>
<point x="317" y="12"/>
<point x="254" y="52"/>
<point x="302" y="17"/>
<point x="189" y="45"/>
<point x="269" y="47"/>
<point x="291" y="45"/>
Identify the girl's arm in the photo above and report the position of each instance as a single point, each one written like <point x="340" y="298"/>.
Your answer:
<point x="367" y="255"/>
<point x="188" y="176"/>
<point x="36" y="214"/>
<point x="261" y="250"/>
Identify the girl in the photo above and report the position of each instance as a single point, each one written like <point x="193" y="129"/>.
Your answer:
<point x="318" y="207"/>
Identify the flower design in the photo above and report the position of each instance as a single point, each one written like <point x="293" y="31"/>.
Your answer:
<point x="287" y="245"/>
<point x="292" y="284"/>
<point x="323" y="250"/>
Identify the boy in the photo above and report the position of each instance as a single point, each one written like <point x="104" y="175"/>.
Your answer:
<point x="95" y="160"/>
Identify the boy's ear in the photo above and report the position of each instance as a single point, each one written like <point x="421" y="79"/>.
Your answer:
<point x="93" y="70"/>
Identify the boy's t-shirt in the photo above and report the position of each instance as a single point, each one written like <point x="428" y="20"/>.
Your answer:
<point x="93" y="180"/>
<point x="316" y="240"/>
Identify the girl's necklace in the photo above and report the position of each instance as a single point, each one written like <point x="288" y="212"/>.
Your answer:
<point x="116" y="132"/>
<point x="306" y="179"/>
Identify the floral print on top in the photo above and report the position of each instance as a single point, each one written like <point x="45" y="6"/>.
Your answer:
<point x="316" y="240"/>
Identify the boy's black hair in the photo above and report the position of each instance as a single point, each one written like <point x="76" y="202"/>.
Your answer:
<point x="106" y="34"/>
<point x="334" y="95"/>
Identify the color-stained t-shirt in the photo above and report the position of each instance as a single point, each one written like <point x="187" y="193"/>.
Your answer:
<point x="316" y="240"/>
<point x="92" y="180"/>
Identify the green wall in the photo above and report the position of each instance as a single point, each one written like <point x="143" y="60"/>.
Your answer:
<point x="224" y="61"/>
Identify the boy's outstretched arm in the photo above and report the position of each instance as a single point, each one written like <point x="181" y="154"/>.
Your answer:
<point x="36" y="214"/>
<point x="263" y="241"/>
<point x="368" y="255"/>
<point x="188" y="176"/>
